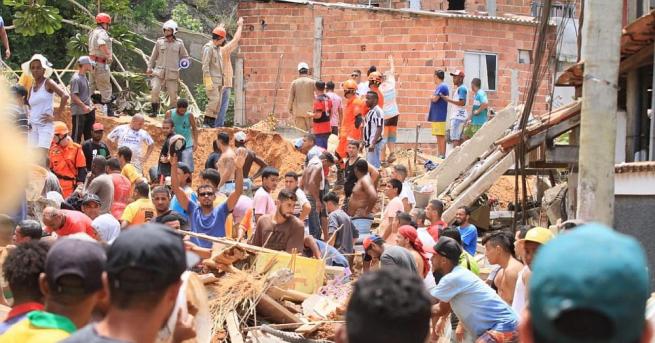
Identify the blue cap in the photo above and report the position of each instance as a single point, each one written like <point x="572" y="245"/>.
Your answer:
<point x="593" y="272"/>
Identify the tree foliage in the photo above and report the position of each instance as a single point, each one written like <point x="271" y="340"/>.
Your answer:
<point x="29" y="13"/>
<point x="184" y="19"/>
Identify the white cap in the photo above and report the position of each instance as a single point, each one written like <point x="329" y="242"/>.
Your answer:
<point x="302" y="65"/>
<point x="240" y="136"/>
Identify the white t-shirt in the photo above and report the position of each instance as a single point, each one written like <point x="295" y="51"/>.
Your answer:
<point x="107" y="227"/>
<point x="459" y="112"/>
<point x="302" y="200"/>
<point x="123" y="135"/>
<point x="362" y="88"/>
<point x="408" y="193"/>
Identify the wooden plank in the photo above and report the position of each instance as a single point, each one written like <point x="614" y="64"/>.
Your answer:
<point x="553" y="132"/>
<point x="239" y="94"/>
<point x="233" y="328"/>
<point x="277" y="313"/>
<point x="481" y="185"/>
<point x="641" y="58"/>
<point x="544" y="165"/>
<point x="463" y="156"/>
<point x="562" y="154"/>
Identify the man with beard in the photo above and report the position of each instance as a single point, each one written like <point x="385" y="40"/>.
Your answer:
<point x="281" y="231"/>
<point x="95" y="146"/>
<point x="467" y="230"/>
<point x="459" y="110"/>
<point x="161" y="198"/>
<point x="479" y="308"/>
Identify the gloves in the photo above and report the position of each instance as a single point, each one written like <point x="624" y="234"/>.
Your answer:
<point x="209" y="85"/>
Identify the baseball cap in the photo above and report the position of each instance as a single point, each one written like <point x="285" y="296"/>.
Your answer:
<point x="85" y="60"/>
<point x="147" y="257"/>
<point x="240" y="136"/>
<point x="594" y="269"/>
<point x="90" y="197"/>
<point x="75" y="257"/>
<point x="446" y="247"/>
<point x="98" y="127"/>
<point x="302" y="65"/>
<point x="539" y="235"/>
<point x="457" y="72"/>
<point x="370" y="240"/>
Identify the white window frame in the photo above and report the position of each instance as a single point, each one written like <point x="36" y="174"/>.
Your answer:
<point x="469" y="74"/>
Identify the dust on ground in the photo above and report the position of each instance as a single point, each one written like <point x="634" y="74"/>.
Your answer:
<point x="503" y="189"/>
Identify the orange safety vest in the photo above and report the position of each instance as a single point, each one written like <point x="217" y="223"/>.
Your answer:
<point x="64" y="162"/>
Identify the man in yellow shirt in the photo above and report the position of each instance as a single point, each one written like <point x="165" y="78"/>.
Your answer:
<point x="72" y="287"/>
<point x="127" y="168"/>
<point x="141" y="210"/>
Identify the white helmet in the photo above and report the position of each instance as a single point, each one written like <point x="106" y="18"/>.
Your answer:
<point x="170" y="25"/>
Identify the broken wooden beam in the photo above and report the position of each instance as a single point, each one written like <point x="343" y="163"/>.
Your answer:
<point x="287" y="294"/>
<point x="274" y="311"/>
<point x="233" y="328"/>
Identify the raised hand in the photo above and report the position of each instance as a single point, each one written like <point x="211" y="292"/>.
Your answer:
<point x="240" y="159"/>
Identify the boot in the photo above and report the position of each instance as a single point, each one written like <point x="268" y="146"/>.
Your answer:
<point x="110" y="110"/>
<point x="155" y="110"/>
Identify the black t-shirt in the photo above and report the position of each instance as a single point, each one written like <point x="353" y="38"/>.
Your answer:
<point x="92" y="149"/>
<point x="212" y="160"/>
<point x="164" y="169"/>
<point x="184" y="224"/>
<point x="350" y="177"/>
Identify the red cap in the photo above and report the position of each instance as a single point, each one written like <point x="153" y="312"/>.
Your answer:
<point x="98" y="127"/>
<point x="370" y="240"/>
<point x="457" y="73"/>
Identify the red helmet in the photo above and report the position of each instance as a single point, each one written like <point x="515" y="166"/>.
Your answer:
<point x="219" y="31"/>
<point x="349" y="85"/>
<point x="103" y="18"/>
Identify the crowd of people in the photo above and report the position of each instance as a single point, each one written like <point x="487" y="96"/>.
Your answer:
<point x="103" y="262"/>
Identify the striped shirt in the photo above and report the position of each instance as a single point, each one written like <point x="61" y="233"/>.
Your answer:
<point x="373" y="122"/>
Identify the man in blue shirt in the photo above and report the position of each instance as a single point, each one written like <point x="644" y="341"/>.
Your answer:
<point x="204" y="217"/>
<point x="480" y="310"/>
<point x="467" y="230"/>
<point x="185" y="124"/>
<point x="479" y="110"/>
<point x="439" y="111"/>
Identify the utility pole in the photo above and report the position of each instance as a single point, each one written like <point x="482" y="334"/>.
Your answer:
<point x="601" y="54"/>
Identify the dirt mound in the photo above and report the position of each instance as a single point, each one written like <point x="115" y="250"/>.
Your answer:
<point x="271" y="147"/>
<point x="503" y="189"/>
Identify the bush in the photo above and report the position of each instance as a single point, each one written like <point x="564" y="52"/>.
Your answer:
<point x="181" y="15"/>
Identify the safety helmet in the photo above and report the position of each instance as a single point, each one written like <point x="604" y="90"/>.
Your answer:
<point x="375" y="76"/>
<point x="349" y="85"/>
<point x="103" y="18"/>
<point x="60" y="128"/>
<point x="170" y="25"/>
<point x="219" y="31"/>
<point x="539" y="235"/>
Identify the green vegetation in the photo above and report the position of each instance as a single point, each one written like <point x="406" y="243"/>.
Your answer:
<point x="184" y="19"/>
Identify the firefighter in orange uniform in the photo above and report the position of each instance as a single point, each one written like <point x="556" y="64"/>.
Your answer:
<point x="67" y="160"/>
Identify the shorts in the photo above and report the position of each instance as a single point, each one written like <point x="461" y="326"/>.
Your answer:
<point x="391" y="129"/>
<point x="492" y="336"/>
<point x="456" y="129"/>
<point x="438" y="128"/>
<point x="471" y="130"/>
<point x="40" y="136"/>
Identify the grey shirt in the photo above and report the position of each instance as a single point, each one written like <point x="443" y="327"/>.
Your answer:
<point x="88" y="334"/>
<point x="80" y="86"/>
<point x="344" y="239"/>
<point x="103" y="187"/>
<point x="397" y="256"/>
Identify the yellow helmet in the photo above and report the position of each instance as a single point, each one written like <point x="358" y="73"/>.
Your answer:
<point x="539" y="235"/>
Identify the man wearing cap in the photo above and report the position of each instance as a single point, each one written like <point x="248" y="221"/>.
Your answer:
<point x="83" y="113"/>
<point x="95" y="146"/>
<point x="203" y="216"/>
<point x="301" y="97"/>
<point x="101" y="184"/>
<point x="212" y="74"/>
<point x="105" y="225"/>
<point x="72" y="286"/>
<point x="67" y="222"/>
<point x="480" y="310"/>
<point x="240" y="142"/>
<point x="601" y="293"/>
<point x="143" y="276"/>
<point x="459" y="115"/>
<point x="100" y="51"/>
<point x="133" y="136"/>
<point x="534" y="239"/>
<point x="164" y="65"/>
<point x="388" y="255"/>
<point x="67" y="160"/>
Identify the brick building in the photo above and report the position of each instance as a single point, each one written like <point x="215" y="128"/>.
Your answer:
<point x="335" y="38"/>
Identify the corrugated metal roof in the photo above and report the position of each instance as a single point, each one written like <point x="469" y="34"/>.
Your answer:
<point x="635" y="167"/>
<point x="523" y="20"/>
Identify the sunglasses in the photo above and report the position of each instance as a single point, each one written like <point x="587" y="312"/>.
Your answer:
<point x="206" y="194"/>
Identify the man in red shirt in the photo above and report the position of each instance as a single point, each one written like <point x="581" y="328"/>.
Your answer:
<point x="66" y="222"/>
<point x="321" y="117"/>
<point x="122" y="188"/>
<point x="433" y="213"/>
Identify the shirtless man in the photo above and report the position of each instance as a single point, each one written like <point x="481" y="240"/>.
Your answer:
<point x="240" y="142"/>
<point x="225" y="164"/>
<point x="499" y="249"/>
<point x="314" y="186"/>
<point x="364" y="195"/>
<point x="352" y="151"/>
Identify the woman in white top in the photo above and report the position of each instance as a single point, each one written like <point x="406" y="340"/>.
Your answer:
<point x="40" y="99"/>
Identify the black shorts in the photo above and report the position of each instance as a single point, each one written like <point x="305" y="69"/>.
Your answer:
<point x="391" y="121"/>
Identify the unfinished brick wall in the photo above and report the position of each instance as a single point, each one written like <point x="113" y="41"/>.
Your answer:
<point x="358" y="38"/>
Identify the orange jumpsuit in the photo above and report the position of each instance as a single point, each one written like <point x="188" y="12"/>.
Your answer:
<point x="64" y="163"/>
<point x="352" y="108"/>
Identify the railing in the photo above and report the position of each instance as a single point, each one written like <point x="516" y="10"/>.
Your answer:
<point x="558" y="9"/>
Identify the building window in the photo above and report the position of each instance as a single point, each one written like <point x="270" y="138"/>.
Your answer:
<point x="483" y="66"/>
<point x="525" y="56"/>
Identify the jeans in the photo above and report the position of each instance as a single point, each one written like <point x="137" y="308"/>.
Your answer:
<point x="186" y="156"/>
<point x="322" y="140"/>
<point x="314" y="219"/>
<point x="373" y="157"/>
<point x="225" y="102"/>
